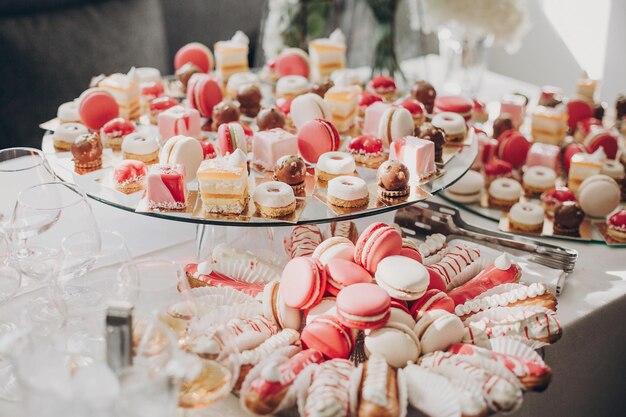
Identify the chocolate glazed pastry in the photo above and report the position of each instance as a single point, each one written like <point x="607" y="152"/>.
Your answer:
<point x="434" y="134"/>
<point x="502" y="124"/>
<point x="291" y="170"/>
<point x="249" y="97"/>
<point x="270" y="118"/>
<point x="620" y="107"/>
<point x="425" y="93"/>
<point x="225" y="112"/>
<point x="567" y="218"/>
<point x="184" y="73"/>
<point x="87" y="152"/>
<point x="393" y="179"/>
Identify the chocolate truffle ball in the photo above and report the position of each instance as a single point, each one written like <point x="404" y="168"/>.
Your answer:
<point x="425" y="93"/>
<point x="270" y="118"/>
<point x="502" y="124"/>
<point x="620" y="107"/>
<point x="393" y="175"/>
<point x="599" y="109"/>
<point x="567" y="218"/>
<point x="184" y="73"/>
<point x="87" y="151"/>
<point x="249" y="97"/>
<point x="290" y="170"/>
<point x="429" y="132"/>
<point x="225" y="112"/>
<point x="321" y="87"/>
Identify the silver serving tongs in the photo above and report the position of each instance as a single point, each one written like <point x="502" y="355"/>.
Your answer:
<point x="427" y="217"/>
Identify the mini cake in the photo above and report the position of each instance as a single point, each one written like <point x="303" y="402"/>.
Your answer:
<point x="66" y="134"/>
<point x="159" y="105"/>
<point x="270" y="118"/>
<point x="372" y="116"/>
<point x="487" y="149"/>
<point x="393" y="180"/>
<point x="452" y="124"/>
<point x="467" y="189"/>
<point x="225" y="112"/>
<point x="567" y="219"/>
<point x="203" y="93"/>
<point x="166" y="187"/>
<point x="584" y="165"/>
<point x="231" y="136"/>
<point x="395" y="123"/>
<point x="125" y="89"/>
<point x="586" y="87"/>
<point x="384" y="86"/>
<point x="428" y="131"/>
<point x="343" y="104"/>
<point x="149" y="91"/>
<point x="417" y="110"/>
<point x="616" y="226"/>
<point x="347" y="191"/>
<point x="114" y="131"/>
<point x="269" y="145"/>
<point x="68" y="112"/>
<point x="185" y="151"/>
<point x="223" y="185"/>
<point x="231" y="56"/>
<point x="366" y="150"/>
<point x="274" y="199"/>
<point x="307" y="107"/>
<point x="501" y="125"/>
<point x="141" y="147"/>
<point x="334" y="164"/>
<point x="249" y="97"/>
<point x="526" y="217"/>
<point x="479" y="113"/>
<point x="497" y="168"/>
<point x="514" y="105"/>
<point x="504" y="192"/>
<point x="178" y="120"/>
<point x="316" y="137"/>
<point x="129" y="176"/>
<point x="542" y="154"/>
<point x="291" y="86"/>
<point x="538" y="179"/>
<point x="552" y="198"/>
<point x="598" y="195"/>
<point x="425" y="93"/>
<point x="291" y="170"/>
<point x="327" y="55"/>
<point x="417" y="154"/>
<point x="87" y="152"/>
<point x="366" y="100"/>
<point x="549" y="125"/>
<point x="568" y="152"/>
<point x="455" y="104"/>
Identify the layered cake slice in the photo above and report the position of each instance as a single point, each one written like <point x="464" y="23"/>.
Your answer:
<point x="223" y="185"/>
<point x="125" y="90"/>
<point x="166" y="187"/>
<point x="270" y="145"/>
<point x="549" y="125"/>
<point x="417" y="154"/>
<point x="232" y="56"/>
<point x="343" y="103"/>
<point x="327" y="55"/>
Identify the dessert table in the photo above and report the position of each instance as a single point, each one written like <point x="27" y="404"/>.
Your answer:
<point x="588" y="364"/>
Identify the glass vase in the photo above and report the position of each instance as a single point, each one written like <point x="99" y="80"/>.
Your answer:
<point x="385" y="58"/>
<point x="464" y="54"/>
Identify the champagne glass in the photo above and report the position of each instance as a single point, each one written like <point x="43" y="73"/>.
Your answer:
<point x="10" y="278"/>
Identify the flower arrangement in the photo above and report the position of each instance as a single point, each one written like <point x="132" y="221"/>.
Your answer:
<point x="506" y="20"/>
<point x="385" y="59"/>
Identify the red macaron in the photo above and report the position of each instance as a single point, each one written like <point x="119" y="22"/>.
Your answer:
<point x="513" y="147"/>
<point x="316" y="137"/>
<point x="455" y="104"/>
<point x="604" y="139"/>
<point x="292" y="61"/>
<point x="376" y="243"/>
<point x="578" y="110"/>
<point x="196" y="53"/>
<point x="363" y="306"/>
<point x="303" y="282"/>
<point x="432" y="300"/>
<point x="569" y="151"/>
<point x="231" y="136"/>
<point x="341" y="273"/>
<point x="96" y="108"/>
<point x="327" y="335"/>
<point x="203" y="93"/>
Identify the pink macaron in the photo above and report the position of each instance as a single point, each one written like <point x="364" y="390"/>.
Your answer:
<point x="376" y="243"/>
<point x="341" y="273"/>
<point x="604" y="139"/>
<point x="335" y="247"/>
<point x="432" y="300"/>
<point x="96" y="108"/>
<point x="513" y="147"/>
<point x="410" y="250"/>
<point x="231" y="136"/>
<point x="197" y="54"/>
<point x="316" y="137"/>
<point x="455" y="104"/>
<point x="578" y="110"/>
<point x="363" y="306"/>
<point x="329" y="336"/>
<point x="303" y="282"/>
<point x="203" y="93"/>
<point x="292" y="61"/>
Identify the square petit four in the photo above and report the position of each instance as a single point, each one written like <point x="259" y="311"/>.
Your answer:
<point x="166" y="187"/>
<point x="223" y="185"/>
<point x="327" y="55"/>
<point x="231" y="56"/>
<point x="583" y="165"/>
<point x="543" y="154"/>
<point x="549" y="124"/>
<point x="514" y="105"/>
<point x="343" y="103"/>
<point x="417" y="154"/>
<point x="125" y="90"/>
<point x="373" y="114"/>
<point x="178" y="120"/>
<point x="269" y="145"/>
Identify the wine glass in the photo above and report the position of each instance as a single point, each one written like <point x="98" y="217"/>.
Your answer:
<point x="10" y="278"/>
<point x="20" y="168"/>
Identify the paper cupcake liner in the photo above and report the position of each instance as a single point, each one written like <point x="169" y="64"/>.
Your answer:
<point x="431" y="393"/>
<point x="403" y="394"/>
<point x="513" y="346"/>
<point x="220" y="315"/>
<point x="466" y="385"/>
<point x="245" y="267"/>
<point x="229" y="295"/>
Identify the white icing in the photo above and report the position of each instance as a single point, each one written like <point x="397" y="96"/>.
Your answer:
<point x="347" y="188"/>
<point x="505" y="189"/>
<point x="240" y="38"/>
<point x="375" y="382"/>
<point x="68" y="112"/>
<point x="451" y="123"/>
<point x="337" y="36"/>
<point x="274" y="194"/>
<point x="271" y="373"/>
<point x="148" y="74"/>
<point x="237" y="158"/>
<point x="336" y="163"/>
<point x="502" y="262"/>
<point x="205" y="268"/>
<point x="527" y="213"/>
<point x="139" y="143"/>
<point x="69" y="132"/>
<point x="284" y="338"/>
<point x="291" y="84"/>
<point x="540" y="177"/>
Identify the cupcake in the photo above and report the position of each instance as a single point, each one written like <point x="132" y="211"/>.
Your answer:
<point x="567" y="219"/>
<point x="334" y="164"/>
<point x="616" y="226"/>
<point x="538" y="179"/>
<point x="392" y="179"/>
<point x="504" y="192"/>
<point x="113" y="132"/>
<point x="497" y="168"/>
<point x="291" y="170"/>
<point x="366" y="150"/>
<point x="274" y="199"/>
<point x="526" y="217"/>
<point x="347" y="191"/>
<point x="552" y="198"/>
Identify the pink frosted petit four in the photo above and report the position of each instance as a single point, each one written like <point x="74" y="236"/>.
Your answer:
<point x="514" y="105"/>
<point x="543" y="154"/>
<point x="417" y="154"/>
<point x="166" y="187"/>
<point x="269" y="145"/>
<point x="373" y="114"/>
<point x="179" y="121"/>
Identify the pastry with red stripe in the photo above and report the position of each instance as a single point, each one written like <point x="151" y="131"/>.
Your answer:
<point x="129" y="176"/>
<point x="380" y="389"/>
<point x="616" y="226"/>
<point x="159" y="105"/>
<point x="502" y="271"/>
<point x="459" y="264"/>
<point x="114" y="131"/>
<point x="302" y="241"/>
<point x="433" y="248"/>
<point x="329" y="392"/>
